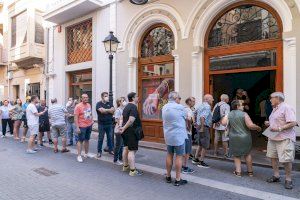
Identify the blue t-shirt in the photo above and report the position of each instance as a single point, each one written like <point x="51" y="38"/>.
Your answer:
<point x="174" y="123"/>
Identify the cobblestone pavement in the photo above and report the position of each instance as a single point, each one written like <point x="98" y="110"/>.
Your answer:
<point x="46" y="175"/>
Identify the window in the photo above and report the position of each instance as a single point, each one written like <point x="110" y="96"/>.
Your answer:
<point x="244" y="23"/>
<point x="159" y="41"/>
<point x="19" y="29"/>
<point x="39" y="29"/>
<point x="79" y="42"/>
<point x="156" y="74"/>
<point x="33" y="89"/>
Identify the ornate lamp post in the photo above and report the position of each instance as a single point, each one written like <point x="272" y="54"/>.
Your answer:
<point x="111" y="45"/>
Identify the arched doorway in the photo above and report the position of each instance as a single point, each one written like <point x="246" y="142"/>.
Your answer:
<point x="243" y="50"/>
<point x="155" y="78"/>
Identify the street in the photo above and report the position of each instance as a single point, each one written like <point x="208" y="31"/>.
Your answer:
<point x="46" y="175"/>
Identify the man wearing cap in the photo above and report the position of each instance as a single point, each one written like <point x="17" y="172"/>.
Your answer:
<point x="282" y="146"/>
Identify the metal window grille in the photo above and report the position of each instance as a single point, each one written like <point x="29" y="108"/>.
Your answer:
<point x="79" y="42"/>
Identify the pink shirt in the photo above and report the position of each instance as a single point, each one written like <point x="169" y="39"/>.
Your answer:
<point x="84" y="113"/>
<point x="280" y="116"/>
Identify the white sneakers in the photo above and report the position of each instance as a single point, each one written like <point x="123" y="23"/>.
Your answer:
<point x="79" y="159"/>
<point x="119" y="163"/>
<point x="30" y="151"/>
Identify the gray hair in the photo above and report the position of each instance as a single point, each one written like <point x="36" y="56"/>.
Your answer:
<point x="173" y="96"/>
<point x="224" y="97"/>
<point x="279" y="95"/>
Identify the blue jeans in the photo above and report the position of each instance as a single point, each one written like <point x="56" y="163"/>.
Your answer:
<point x="71" y="128"/>
<point x="118" y="147"/>
<point x="102" y="130"/>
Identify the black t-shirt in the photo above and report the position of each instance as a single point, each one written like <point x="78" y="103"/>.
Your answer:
<point x="104" y="118"/>
<point x="44" y="118"/>
<point x="131" y="110"/>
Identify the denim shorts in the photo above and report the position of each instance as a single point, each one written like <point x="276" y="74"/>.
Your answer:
<point x="84" y="135"/>
<point x="188" y="144"/>
<point x="178" y="150"/>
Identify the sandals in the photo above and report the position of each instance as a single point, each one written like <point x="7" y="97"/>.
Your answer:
<point x="250" y="174"/>
<point x="65" y="150"/>
<point x="273" y="179"/>
<point x="237" y="174"/>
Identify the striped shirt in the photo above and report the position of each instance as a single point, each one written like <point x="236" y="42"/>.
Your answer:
<point x="56" y="114"/>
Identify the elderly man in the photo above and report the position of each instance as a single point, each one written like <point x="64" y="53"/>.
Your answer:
<point x="281" y="147"/>
<point x="220" y="110"/>
<point x="203" y="123"/>
<point x="174" y="123"/>
<point x="57" y="114"/>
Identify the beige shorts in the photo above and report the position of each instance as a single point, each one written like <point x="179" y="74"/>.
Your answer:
<point x="33" y="129"/>
<point x="220" y="134"/>
<point x="283" y="150"/>
<point x="58" y="130"/>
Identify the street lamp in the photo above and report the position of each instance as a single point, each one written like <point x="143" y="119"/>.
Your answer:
<point x="111" y="45"/>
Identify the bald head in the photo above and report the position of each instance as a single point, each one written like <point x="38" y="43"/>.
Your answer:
<point x="208" y="98"/>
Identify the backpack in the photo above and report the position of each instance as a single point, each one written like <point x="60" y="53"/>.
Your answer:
<point x="216" y="114"/>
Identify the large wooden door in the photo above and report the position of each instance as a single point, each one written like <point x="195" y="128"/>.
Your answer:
<point x="245" y="37"/>
<point x="155" y="78"/>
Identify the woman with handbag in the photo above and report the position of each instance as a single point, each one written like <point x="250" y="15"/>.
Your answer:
<point x="118" y="151"/>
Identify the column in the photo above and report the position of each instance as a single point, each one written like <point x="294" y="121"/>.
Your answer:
<point x="132" y="75"/>
<point x="197" y="74"/>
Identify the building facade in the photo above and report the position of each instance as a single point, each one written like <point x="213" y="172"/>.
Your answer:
<point x="203" y="46"/>
<point x="24" y="30"/>
<point x="3" y="58"/>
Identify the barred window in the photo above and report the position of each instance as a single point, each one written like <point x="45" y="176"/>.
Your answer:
<point x="245" y="23"/>
<point x="79" y="42"/>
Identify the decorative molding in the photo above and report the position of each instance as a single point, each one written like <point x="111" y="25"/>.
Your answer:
<point x="158" y="13"/>
<point x="291" y="42"/>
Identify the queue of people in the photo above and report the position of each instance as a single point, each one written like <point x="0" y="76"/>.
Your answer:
<point x="234" y="128"/>
<point x="123" y="128"/>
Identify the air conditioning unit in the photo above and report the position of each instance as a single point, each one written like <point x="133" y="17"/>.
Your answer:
<point x="141" y="2"/>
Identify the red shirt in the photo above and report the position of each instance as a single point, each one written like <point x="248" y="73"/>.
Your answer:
<point x="84" y="113"/>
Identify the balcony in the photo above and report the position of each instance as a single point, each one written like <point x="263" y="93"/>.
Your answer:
<point x="61" y="11"/>
<point x="26" y="38"/>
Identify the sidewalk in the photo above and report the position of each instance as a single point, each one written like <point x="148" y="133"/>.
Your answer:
<point x="219" y="173"/>
<point x="259" y="157"/>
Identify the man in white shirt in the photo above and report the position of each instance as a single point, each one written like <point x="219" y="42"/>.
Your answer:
<point x="32" y="115"/>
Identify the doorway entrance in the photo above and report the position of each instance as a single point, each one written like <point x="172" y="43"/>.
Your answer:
<point x="81" y="83"/>
<point x="258" y="85"/>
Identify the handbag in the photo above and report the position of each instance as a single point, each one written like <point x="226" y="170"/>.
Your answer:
<point x="139" y="133"/>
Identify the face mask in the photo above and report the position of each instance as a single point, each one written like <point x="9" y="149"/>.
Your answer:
<point x="124" y="103"/>
<point x="106" y="99"/>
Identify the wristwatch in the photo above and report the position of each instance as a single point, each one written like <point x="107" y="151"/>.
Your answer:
<point x="279" y="129"/>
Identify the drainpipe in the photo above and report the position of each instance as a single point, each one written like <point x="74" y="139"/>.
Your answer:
<point x="46" y="67"/>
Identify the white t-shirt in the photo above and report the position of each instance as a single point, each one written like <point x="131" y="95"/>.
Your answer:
<point x="190" y="115"/>
<point x="32" y="119"/>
